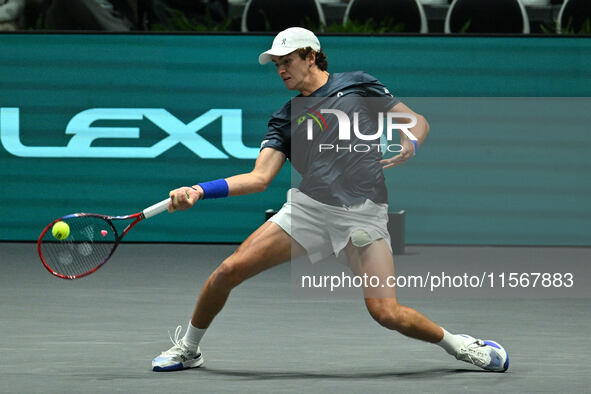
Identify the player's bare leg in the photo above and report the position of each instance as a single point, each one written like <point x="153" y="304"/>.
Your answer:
<point x="376" y="260"/>
<point x="267" y="247"/>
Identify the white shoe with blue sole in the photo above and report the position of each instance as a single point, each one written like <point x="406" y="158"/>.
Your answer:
<point x="177" y="357"/>
<point x="486" y="354"/>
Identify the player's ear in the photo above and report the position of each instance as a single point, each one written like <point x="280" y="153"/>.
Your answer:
<point x="311" y="58"/>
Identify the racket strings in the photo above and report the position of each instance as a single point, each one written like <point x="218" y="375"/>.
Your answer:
<point x="88" y="245"/>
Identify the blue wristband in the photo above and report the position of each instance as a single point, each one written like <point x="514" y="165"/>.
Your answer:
<point x="215" y="189"/>
<point x="416" y="144"/>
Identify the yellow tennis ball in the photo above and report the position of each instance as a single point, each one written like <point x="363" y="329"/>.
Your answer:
<point x="60" y="230"/>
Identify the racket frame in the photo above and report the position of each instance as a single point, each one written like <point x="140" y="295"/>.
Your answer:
<point x="146" y="213"/>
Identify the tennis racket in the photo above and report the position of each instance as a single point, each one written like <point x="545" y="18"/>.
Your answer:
<point x="91" y="241"/>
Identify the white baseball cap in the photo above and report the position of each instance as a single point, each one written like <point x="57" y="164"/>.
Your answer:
<point x="288" y="41"/>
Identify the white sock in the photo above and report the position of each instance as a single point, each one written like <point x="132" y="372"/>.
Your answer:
<point x="193" y="336"/>
<point x="451" y="343"/>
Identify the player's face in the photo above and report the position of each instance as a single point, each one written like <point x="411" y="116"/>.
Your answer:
<point x="293" y="70"/>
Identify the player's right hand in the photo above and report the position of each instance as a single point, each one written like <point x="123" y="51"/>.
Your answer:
<point x="183" y="198"/>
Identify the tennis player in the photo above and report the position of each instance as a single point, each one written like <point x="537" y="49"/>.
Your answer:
<point x="334" y="214"/>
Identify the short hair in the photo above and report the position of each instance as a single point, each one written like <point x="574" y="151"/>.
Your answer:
<point x="321" y="61"/>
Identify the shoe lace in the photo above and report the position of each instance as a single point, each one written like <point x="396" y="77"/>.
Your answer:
<point x="177" y="341"/>
<point x="470" y="352"/>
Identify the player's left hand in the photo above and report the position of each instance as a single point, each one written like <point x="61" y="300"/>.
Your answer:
<point x="408" y="151"/>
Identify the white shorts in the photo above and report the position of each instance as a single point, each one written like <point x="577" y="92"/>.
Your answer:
<point x="325" y="229"/>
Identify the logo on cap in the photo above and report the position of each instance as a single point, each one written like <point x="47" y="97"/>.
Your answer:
<point x="283" y="41"/>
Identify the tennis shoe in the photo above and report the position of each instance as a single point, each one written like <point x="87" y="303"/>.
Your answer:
<point x="485" y="354"/>
<point x="177" y="357"/>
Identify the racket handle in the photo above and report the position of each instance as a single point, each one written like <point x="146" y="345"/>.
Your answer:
<point x="156" y="208"/>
